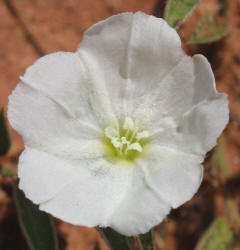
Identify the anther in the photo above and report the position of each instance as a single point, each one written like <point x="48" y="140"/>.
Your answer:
<point x="126" y="139"/>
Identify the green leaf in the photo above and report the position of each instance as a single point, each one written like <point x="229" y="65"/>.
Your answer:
<point x="8" y="171"/>
<point x="146" y="241"/>
<point x="176" y="11"/>
<point x="208" y="29"/>
<point x="114" y="240"/>
<point x="4" y="137"/>
<point x="218" y="236"/>
<point x="130" y="242"/>
<point x="36" y="225"/>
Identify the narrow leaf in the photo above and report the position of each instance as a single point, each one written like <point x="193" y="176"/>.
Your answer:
<point x="146" y="241"/>
<point x="114" y="240"/>
<point x="208" y="30"/>
<point x="176" y="11"/>
<point x="130" y="242"/>
<point x="4" y="137"/>
<point x="36" y="225"/>
<point x="218" y="236"/>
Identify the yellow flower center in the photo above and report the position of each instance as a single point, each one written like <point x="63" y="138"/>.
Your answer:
<point x="125" y="143"/>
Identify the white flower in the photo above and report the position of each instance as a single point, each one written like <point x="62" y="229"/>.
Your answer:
<point x="115" y="133"/>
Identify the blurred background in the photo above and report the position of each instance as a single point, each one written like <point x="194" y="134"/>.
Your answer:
<point x="32" y="28"/>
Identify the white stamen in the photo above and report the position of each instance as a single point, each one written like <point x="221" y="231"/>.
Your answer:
<point x="116" y="142"/>
<point x="133" y="135"/>
<point x="124" y="144"/>
<point x="125" y="141"/>
<point x="111" y="132"/>
<point x="128" y="124"/>
<point x="135" y="146"/>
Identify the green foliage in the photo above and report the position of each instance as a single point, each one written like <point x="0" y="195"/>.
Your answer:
<point x="36" y="225"/>
<point x="177" y="10"/>
<point x="130" y="242"/>
<point x="114" y="240"/>
<point x="4" y="137"/>
<point x="146" y="241"/>
<point x="218" y="236"/>
<point x="208" y="30"/>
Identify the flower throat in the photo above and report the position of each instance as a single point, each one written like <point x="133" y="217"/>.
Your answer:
<point x="126" y="142"/>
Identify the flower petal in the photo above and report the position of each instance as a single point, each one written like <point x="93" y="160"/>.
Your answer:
<point x="168" y="179"/>
<point x="61" y="77"/>
<point x="130" y="53"/>
<point x="52" y="107"/>
<point x="170" y="98"/>
<point x="91" y="201"/>
<point x="174" y="175"/>
<point x="202" y="125"/>
<point x="197" y="130"/>
<point x="204" y="84"/>
<point x="42" y="175"/>
<point x="141" y="209"/>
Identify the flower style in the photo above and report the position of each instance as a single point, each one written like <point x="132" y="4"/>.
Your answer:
<point x="115" y="133"/>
